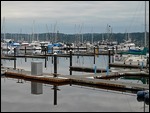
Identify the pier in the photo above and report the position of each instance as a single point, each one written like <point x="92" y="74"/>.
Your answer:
<point x="104" y="78"/>
<point x="86" y="69"/>
<point x="78" y="79"/>
<point x="118" y="65"/>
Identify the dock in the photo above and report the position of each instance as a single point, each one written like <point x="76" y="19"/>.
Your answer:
<point x="112" y="84"/>
<point x="140" y="74"/>
<point x="86" y="69"/>
<point x="118" y="65"/>
<point x="8" y="58"/>
<point x="77" y="79"/>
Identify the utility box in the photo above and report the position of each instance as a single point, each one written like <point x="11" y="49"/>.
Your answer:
<point x="36" y="88"/>
<point x="36" y="68"/>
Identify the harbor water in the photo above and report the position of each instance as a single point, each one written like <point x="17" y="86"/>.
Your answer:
<point x="19" y="97"/>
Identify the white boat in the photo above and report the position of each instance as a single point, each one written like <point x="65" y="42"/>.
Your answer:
<point x="35" y="45"/>
<point x="125" y="46"/>
<point x="24" y="44"/>
<point x="132" y="57"/>
<point x="139" y="57"/>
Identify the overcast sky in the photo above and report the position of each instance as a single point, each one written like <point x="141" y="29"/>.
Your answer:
<point x="73" y="16"/>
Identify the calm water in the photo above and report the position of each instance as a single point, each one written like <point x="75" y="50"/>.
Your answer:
<point x="17" y="97"/>
<point x="62" y="63"/>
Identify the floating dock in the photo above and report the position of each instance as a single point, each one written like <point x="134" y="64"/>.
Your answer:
<point x="77" y="79"/>
<point x="46" y="78"/>
<point x="125" y="74"/>
<point x="86" y="69"/>
<point x="126" y="66"/>
<point x="8" y="58"/>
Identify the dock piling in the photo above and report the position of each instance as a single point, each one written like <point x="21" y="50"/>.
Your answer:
<point x="45" y="56"/>
<point x="70" y="61"/>
<point x="15" y="59"/>
<point x="108" y="58"/>
<point x="55" y="64"/>
<point x="95" y="69"/>
<point x="55" y="94"/>
<point x="94" y="55"/>
<point x="36" y="68"/>
<point x="25" y="50"/>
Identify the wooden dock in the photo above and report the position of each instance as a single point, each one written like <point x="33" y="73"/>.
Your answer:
<point x="125" y="74"/>
<point x="109" y="83"/>
<point x="43" y="55"/>
<point x="23" y="56"/>
<point x="76" y="79"/>
<point x="125" y="66"/>
<point x="86" y="69"/>
<point x="7" y="58"/>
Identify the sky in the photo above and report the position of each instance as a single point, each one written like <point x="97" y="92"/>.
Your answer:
<point x="71" y="17"/>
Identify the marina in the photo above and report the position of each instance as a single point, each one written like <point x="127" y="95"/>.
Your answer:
<point x="81" y="79"/>
<point x="72" y="87"/>
<point x="74" y="56"/>
<point x="82" y="69"/>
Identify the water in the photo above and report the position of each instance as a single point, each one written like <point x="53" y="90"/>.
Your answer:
<point x="17" y="97"/>
<point x="62" y="63"/>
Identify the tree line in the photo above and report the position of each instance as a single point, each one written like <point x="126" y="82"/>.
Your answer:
<point x="137" y="37"/>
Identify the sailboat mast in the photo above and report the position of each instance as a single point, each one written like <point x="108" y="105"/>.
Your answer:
<point x="92" y="35"/>
<point x="4" y="27"/>
<point x="33" y="31"/>
<point x="145" y="23"/>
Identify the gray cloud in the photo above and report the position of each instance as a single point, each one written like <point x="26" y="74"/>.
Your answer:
<point x="21" y="14"/>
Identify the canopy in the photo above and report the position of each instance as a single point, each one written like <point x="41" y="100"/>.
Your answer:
<point x="142" y="52"/>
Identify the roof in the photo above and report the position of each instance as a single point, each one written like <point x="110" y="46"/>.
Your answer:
<point x="142" y="52"/>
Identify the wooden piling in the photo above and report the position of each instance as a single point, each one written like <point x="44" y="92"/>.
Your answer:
<point x="45" y="57"/>
<point x="55" y="94"/>
<point x="55" y="64"/>
<point x="94" y="55"/>
<point x="108" y="58"/>
<point x="15" y="59"/>
<point x="86" y="69"/>
<point x="70" y="61"/>
<point x="25" y="50"/>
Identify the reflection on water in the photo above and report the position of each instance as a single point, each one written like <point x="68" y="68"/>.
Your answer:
<point x="62" y="63"/>
<point x="18" y="97"/>
<point x="55" y="94"/>
<point x="36" y="88"/>
<point x="31" y="96"/>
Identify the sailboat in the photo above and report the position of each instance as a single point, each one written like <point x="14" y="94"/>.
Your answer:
<point x="137" y="57"/>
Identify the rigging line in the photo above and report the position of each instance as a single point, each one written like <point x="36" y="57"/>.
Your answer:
<point x="134" y="17"/>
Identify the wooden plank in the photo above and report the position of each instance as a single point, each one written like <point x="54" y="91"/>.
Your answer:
<point x="86" y="69"/>
<point x="77" y="79"/>
<point x="109" y="83"/>
<point x="125" y="66"/>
